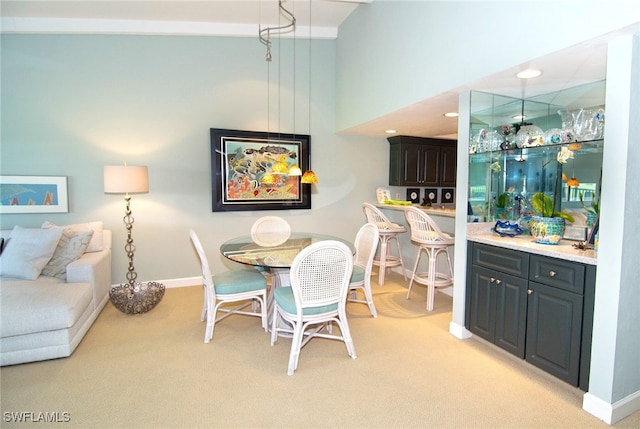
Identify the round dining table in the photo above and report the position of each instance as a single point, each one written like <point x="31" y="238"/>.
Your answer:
<point x="246" y="251"/>
<point x="273" y="260"/>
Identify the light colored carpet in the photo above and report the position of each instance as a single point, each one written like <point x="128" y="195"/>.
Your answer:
<point x="154" y="371"/>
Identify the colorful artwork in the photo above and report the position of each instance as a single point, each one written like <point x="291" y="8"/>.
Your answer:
<point x="251" y="170"/>
<point x="33" y="194"/>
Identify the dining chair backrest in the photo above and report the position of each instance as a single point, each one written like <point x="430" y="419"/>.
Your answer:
<point x="207" y="277"/>
<point x="366" y="244"/>
<point x="423" y="229"/>
<point x="320" y="274"/>
<point x="269" y="231"/>
<point x="375" y="216"/>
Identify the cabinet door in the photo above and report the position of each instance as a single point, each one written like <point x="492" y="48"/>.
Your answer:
<point x="554" y="326"/>
<point x="396" y="172"/>
<point x="411" y="164"/>
<point x="430" y="166"/>
<point x="498" y="309"/>
<point x="482" y="321"/>
<point x="511" y="313"/>
<point x="448" y="154"/>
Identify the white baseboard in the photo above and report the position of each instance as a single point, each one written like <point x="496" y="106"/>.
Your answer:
<point x="459" y="331"/>
<point x="611" y="413"/>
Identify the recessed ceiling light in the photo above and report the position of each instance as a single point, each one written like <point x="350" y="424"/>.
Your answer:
<point x="528" y="74"/>
<point x="390" y="131"/>
<point x="451" y="114"/>
<point x="519" y="117"/>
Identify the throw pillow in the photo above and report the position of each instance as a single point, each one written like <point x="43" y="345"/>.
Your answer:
<point x="97" y="241"/>
<point x="27" y="252"/>
<point x="70" y="247"/>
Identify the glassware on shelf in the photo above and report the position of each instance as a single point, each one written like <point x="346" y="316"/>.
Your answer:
<point x="553" y="136"/>
<point x="529" y="136"/>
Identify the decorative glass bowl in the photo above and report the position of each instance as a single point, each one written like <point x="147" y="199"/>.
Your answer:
<point x="507" y="229"/>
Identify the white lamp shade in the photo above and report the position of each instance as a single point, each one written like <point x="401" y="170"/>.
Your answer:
<point x="126" y="179"/>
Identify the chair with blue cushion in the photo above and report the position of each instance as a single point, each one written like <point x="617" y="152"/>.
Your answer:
<point x="244" y="286"/>
<point x="316" y="299"/>
<point x="366" y="244"/>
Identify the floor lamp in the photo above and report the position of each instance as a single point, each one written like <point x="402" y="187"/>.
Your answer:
<point x="131" y="297"/>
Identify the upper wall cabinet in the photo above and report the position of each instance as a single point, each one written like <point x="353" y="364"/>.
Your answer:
<point x="417" y="161"/>
<point x="551" y="143"/>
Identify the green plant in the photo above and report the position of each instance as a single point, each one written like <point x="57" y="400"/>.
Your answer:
<point x="595" y="205"/>
<point x="543" y="204"/>
<point x="502" y="200"/>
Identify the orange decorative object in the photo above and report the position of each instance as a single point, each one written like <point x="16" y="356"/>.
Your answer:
<point x="309" y="177"/>
<point x="573" y="182"/>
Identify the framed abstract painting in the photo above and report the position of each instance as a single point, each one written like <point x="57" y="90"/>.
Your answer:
<point x="33" y="194"/>
<point x="252" y="170"/>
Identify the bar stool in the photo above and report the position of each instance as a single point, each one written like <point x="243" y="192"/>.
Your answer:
<point x="434" y="242"/>
<point x="388" y="231"/>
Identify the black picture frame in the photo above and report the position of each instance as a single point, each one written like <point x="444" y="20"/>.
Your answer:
<point x="241" y="159"/>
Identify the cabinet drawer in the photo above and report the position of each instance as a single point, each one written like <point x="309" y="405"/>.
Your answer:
<point x="558" y="273"/>
<point x="505" y="260"/>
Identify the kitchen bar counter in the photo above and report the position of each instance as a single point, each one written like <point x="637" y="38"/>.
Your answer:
<point x="431" y="211"/>
<point x="481" y="233"/>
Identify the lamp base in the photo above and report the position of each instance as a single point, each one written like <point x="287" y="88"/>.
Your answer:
<point x="139" y="299"/>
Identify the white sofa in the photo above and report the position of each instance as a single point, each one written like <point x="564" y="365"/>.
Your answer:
<point x="47" y="317"/>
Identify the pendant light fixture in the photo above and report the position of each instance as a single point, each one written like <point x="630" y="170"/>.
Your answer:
<point x="264" y="34"/>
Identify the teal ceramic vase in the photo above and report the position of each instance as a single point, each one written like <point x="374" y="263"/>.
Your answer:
<point x="547" y="230"/>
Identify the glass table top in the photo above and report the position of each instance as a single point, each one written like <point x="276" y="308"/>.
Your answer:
<point x="245" y="251"/>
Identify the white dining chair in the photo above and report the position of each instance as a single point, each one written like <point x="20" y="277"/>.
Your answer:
<point x="366" y="244"/>
<point x="316" y="299"/>
<point x="269" y="231"/>
<point x="244" y="286"/>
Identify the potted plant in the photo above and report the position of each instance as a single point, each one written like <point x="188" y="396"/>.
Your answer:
<point x="593" y="211"/>
<point x="501" y="206"/>
<point x="549" y="226"/>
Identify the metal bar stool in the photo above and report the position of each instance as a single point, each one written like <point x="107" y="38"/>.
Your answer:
<point x="388" y="231"/>
<point x="434" y="243"/>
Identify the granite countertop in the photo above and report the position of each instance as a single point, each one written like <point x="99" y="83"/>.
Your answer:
<point x="481" y="233"/>
<point x="436" y="211"/>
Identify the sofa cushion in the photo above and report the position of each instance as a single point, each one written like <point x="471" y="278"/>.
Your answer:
<point x="70" y="247"/>
<point x="45" y="305"/>
<point x="27" y="252"/>
<point x="97" y="241"/>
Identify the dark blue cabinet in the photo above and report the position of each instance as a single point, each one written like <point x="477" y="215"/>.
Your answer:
<point x="535" y="307"/>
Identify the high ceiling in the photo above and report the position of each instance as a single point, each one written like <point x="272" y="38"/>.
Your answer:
<point x="241" y="17"/>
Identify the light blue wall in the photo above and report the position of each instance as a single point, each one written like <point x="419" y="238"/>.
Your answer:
<point x="72" y="104"/>
<point x="392" y="54"/>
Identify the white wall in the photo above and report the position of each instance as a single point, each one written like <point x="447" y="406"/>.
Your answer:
<point x="72" y="104"/>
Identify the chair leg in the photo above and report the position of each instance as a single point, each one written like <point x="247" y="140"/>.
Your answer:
<point x="431" y="286"/>
<point x="296" y="342"/>
<point x="415" y="268"/>
<point x="346" y="334"/>
<point x="369" y="298"/>
<point x="383" y="259"/>
<point x="404" y="272"/>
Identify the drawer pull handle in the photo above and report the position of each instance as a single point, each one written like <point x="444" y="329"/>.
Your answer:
<point x="498" y="281"/>
<point x="492" y="279"/>
<point x="529" y="291"/>
<point x="552" y="273"/>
